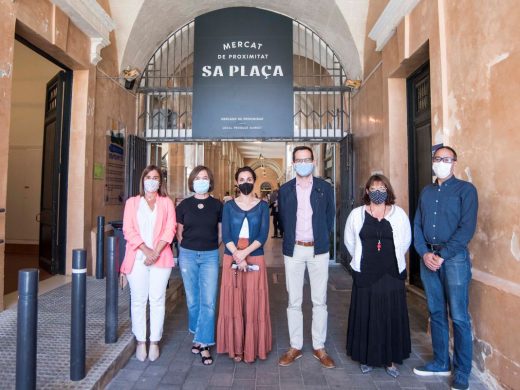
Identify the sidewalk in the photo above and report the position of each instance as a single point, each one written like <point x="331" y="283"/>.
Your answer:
<point x="178" y="368"/>
<point x="103" y="361"/>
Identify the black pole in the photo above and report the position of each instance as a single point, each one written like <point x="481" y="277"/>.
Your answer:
<point x="100" y="248"/>
<point x="78" y="315"/>
<point x="26" y="332"/>
<point x="111" y="291"/>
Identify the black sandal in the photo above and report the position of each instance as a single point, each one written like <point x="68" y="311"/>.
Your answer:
<point x="195" y="349"/>
<point x="206" y="358"/>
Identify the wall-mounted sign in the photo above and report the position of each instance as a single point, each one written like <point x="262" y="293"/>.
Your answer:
<point x="243" y="75"/>
<point x="115" y="163"/>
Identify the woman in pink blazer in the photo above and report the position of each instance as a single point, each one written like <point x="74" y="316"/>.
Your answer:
<point x="149" y="227"/>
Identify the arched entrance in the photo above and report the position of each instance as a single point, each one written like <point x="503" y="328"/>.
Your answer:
<point x="320" y="113"/>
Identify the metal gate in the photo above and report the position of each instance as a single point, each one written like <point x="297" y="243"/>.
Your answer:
<point x="320" y="84"/>
<point x="135" y="163"/>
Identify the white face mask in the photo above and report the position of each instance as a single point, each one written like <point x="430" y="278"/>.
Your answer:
<point x="151" y="185"/>
<point x="442" y="170"/>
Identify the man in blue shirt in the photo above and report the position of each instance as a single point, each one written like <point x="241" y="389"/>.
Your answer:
<point x="445" y="222"/>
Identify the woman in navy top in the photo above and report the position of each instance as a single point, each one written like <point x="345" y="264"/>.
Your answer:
<point x="244" y="323"/>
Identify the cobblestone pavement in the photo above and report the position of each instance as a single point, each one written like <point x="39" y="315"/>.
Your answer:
<point x="177" y="368"/>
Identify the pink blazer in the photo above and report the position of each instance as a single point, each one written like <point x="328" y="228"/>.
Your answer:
<point x="165" y="225"/>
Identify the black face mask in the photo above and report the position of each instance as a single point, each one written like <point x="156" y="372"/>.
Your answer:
<point x="246" y="188"/>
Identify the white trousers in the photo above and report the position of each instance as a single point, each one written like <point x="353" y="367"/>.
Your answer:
<point x="318" y="267"/>
<point x="148" y="283"/>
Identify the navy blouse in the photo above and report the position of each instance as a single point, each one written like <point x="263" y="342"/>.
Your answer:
<point x="257" y="218"/>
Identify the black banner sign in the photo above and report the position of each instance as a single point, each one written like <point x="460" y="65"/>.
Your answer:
<point x="243" y="75"/>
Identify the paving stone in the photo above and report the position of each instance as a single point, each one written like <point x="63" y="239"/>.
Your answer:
<point x="387" y="385"/>
<point x="268" y="379"/>
<point x="173" y="378"/>
<point x="245" y="372"/>
<point x="128" y="375"/>
<point x="243" y="384"/>
<point x="312" y="379"/>
<point x="221" y="379"/>
<point x="437" y="386"/>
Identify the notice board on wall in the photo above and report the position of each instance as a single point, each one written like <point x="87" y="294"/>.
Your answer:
<point x="115" y="163"/>
<point x="243" y="75"/>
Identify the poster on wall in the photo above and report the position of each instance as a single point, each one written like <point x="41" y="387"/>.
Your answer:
<point x="243" y="75"/>
<point x="115" y="163"/>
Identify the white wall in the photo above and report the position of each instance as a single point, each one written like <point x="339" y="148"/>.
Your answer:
<point x="31" y="72"/>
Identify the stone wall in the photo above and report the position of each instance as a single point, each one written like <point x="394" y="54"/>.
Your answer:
<point x="473" y="50"/>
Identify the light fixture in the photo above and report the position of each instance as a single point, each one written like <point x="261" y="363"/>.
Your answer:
<point x="261" y="158"/>
<point x="130" y="75"/>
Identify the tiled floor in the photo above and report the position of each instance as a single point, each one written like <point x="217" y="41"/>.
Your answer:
<point x="177" y="368"/>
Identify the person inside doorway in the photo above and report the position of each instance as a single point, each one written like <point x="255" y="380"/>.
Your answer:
<point x="244" y="322"/>
<point x="307" y="210"/>
<point x="149" y="227"/>
<point x="273" y="204"/>
<point x="199" y="220"/>
<point x="444" y="223"/>
<point x="377" y="236"/>
<point x="227" y="197"/>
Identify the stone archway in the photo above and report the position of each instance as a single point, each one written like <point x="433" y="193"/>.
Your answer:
<point x="144" y="24"/>
<point x="271" y="165"/>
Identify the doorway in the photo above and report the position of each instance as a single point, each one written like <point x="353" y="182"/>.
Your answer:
<point x="271" y="161"/>
<point x="37" y="165"/>
<point x="420" y="149"/>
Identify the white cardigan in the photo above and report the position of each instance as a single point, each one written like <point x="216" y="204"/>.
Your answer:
<point x="400" y="228"/>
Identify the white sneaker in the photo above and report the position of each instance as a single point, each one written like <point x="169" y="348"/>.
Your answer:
<point x="153" y="353"/>
<point x="140" y="352"/>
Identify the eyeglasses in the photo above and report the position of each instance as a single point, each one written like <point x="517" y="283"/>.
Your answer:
<point x="303" y="160"/>
<point x="382" y="189"/>
<point x="448" y="160"/>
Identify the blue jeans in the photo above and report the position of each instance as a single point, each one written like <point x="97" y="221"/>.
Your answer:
<point x="449" y="286"/>
<point x="199" y="270"/>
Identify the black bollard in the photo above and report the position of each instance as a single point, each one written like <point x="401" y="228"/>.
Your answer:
<point x="26" y="331"/>
<point x="78" y="315"/>
<point x="100" y="248"/>
<point x="111" y="291"/>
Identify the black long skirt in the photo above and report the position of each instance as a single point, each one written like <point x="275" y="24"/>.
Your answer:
<point x="378" y="327"/>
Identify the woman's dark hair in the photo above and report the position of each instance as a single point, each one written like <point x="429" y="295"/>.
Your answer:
<point x="245" y="169"/>
<point x="162" y="185"/>
<point x="198" y="169"/>
<point x="298" y="148"/>
<point x="390" y="199"/>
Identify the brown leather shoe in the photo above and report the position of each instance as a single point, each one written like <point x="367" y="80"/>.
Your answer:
<point x="325" y="360"/>
<point x="289" y="357"/>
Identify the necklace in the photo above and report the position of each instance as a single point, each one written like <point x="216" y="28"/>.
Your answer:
<point x="378" y="245"/>
<point x="200" y="204"/>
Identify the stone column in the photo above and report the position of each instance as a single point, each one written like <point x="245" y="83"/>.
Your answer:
<point x="217" y="171"/>
<point x="177" y="179"/>
<point x="226" y="168"/>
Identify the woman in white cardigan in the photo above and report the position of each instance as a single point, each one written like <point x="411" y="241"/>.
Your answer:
<point x="377" y="235"/>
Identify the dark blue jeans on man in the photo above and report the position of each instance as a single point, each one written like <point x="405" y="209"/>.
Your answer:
<point x="449" y="287"/>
